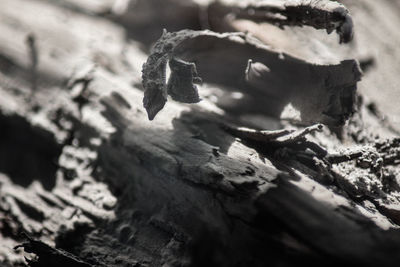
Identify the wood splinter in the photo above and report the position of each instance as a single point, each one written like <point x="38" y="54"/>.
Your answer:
<point x="281" y="137"/>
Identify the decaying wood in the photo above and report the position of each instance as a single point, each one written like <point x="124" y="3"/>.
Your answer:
<point x="321" y="93"/>
<point x="93" y="182"/>
<point x="328" y="15"/>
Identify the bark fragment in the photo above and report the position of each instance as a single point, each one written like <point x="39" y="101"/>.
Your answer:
<point x="271" y="80"/>
<point x="328" y="15"/>
<point x="181" y="82"/>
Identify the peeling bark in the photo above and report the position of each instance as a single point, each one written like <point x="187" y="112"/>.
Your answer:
<point x="328" y="15"/>
<point x="329" y="91"/>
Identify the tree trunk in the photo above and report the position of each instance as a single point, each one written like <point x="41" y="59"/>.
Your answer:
<point x="87" y="180"/>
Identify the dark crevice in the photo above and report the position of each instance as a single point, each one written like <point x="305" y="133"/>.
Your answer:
<point x="71" y="240"/>
<point x="30" y="211"/>
<point x="27" y="152"/>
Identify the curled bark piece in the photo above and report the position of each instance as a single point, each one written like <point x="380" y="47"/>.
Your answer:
<point x="181" y="82"/>
<point x="183" y="75"/>
<point x="272" y="80"/>
<point x="325" y="14"/>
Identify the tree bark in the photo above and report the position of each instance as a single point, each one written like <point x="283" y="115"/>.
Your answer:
<point x="87" y="180"/>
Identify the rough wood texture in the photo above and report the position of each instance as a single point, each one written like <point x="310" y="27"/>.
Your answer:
<point x="328" y="15"/>
<point x="92" y="182"/>
<point x="321" y="93"/>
